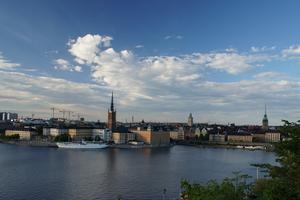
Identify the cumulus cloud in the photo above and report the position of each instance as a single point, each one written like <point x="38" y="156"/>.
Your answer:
<point x="30" y="93"/>
<point x="137" y="77"/>
<point x="171" y="85"/>
<point x="86" y="48"/>
<point x="291" y="51"/>
<point x="7" y="64"/>
<point x="64" y="65"/>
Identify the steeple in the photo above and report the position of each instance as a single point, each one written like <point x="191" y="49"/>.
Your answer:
<point x="111" y="115"/>
<point x="112" y="102"/>
<point x="265" y="121"/>
<point x="265" y="109"/>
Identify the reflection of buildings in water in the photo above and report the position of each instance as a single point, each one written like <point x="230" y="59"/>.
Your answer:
<point x="153" y="151"/>
<point x="111" y="158"/>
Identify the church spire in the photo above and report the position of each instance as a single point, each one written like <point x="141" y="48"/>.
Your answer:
<point x="265" y="109"/>
<point x="112" y="102"/>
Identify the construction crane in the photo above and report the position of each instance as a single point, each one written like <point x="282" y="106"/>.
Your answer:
<point x="63" y="112"/>
<point x="53" y="110"/>
<point x="77" y="115"/>
<point x="69" y="113"/>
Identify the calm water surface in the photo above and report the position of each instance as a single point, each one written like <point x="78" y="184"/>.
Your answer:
<point x="53" y="174"/>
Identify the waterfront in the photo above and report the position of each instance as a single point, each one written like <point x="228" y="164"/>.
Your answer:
<point x="49" y="173"/>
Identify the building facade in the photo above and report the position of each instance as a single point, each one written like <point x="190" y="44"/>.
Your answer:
<point x="240" y="138"/>
<point x="103" y="134"/>
<point x="24" y="134"/>
<point x="154" y="138"/>
<point x="8" y="116"/>
<point x="54" y="131"/>
<point x="216" y="138"/>
<point x="80" y="133"/>
<point x="272" y="136"/>
<point x="119" y="138"/>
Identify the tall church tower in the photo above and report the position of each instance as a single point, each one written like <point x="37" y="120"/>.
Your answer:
<point x="111" y="121"/>
<point x="190" y="120"/>
<point x="265" y="122"/>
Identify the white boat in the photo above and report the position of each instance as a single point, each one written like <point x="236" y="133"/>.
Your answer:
<point x="82" y="145"/>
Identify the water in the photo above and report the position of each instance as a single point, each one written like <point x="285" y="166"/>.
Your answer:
<point x="53" y="174"/>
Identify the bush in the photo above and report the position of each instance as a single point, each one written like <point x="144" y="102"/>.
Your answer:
<point x="62" y="138"/>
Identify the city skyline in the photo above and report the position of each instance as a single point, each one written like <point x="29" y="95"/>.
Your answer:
<point x="203" y="58"/>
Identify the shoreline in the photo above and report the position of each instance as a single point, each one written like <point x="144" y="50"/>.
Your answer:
<point x="53" y="144"/>
<point x="227" y="145"/>
<point x="268" y="147"/>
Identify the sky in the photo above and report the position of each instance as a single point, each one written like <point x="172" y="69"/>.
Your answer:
<point x="222" y="61"/>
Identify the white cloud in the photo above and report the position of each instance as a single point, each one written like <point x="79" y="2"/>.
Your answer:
<point x="262" y="49"/>
<point x="7" y="64"/>
<point x="167" y="37"/>
<point x="39" y="93"/>
<point x="292" y="51"/>
<point x="138" y="77"/>
<point x="64" y="65"/>
<point x="78" y="68"/>
<point x="139" y="46"/>
<point x="269" y="75"/>
<point x="86" y="48"/>
<point x="177" y="37"/>
<point x="170" y="85"/>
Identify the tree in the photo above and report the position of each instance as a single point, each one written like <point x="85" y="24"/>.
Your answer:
<point x="233" y="189"/>
<point x="62" y="138"/>
<point x="284" y="182"/>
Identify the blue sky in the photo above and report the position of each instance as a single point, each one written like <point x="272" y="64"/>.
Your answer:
<point x="163" y="59"/>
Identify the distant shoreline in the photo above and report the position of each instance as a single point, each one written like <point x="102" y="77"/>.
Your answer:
<point x="53" y="144"/>
<point x="269" y="147"/>
<point x="227" y="145"/>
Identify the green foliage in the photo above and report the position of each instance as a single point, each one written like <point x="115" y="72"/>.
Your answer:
<point x="97" y="138"/>
<point x="284" y="182"/>
<point x="233" y="189"/>
<point x="62" y="138"/>
<point x="88" y="139"/>
<point x="11" y="137"/>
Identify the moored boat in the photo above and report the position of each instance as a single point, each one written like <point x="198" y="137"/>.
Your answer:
<point x="82" y="145"/>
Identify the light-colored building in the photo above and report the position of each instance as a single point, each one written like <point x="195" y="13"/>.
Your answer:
<point x="80" y="133"/>
<point x="130" y="137"/>
<point x="154" y="138"/>
<point x="103" y="134"/>
<point x="123" y="137"/>
<point x="24" y="134"/>
<point x="8" y="116"/>
<point x="180" y="133"/>
<point x="197" y="132"/>
<point x="240" y="138"/>
<point x="258" y="137"/>
<point x="54" y="131"/>
<point x="174" y="135"/>
<point x="272" y="136"/>
<point x="204" y="132"/>
<point x="216" y="138"/>
<point x="119" y="138"/>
